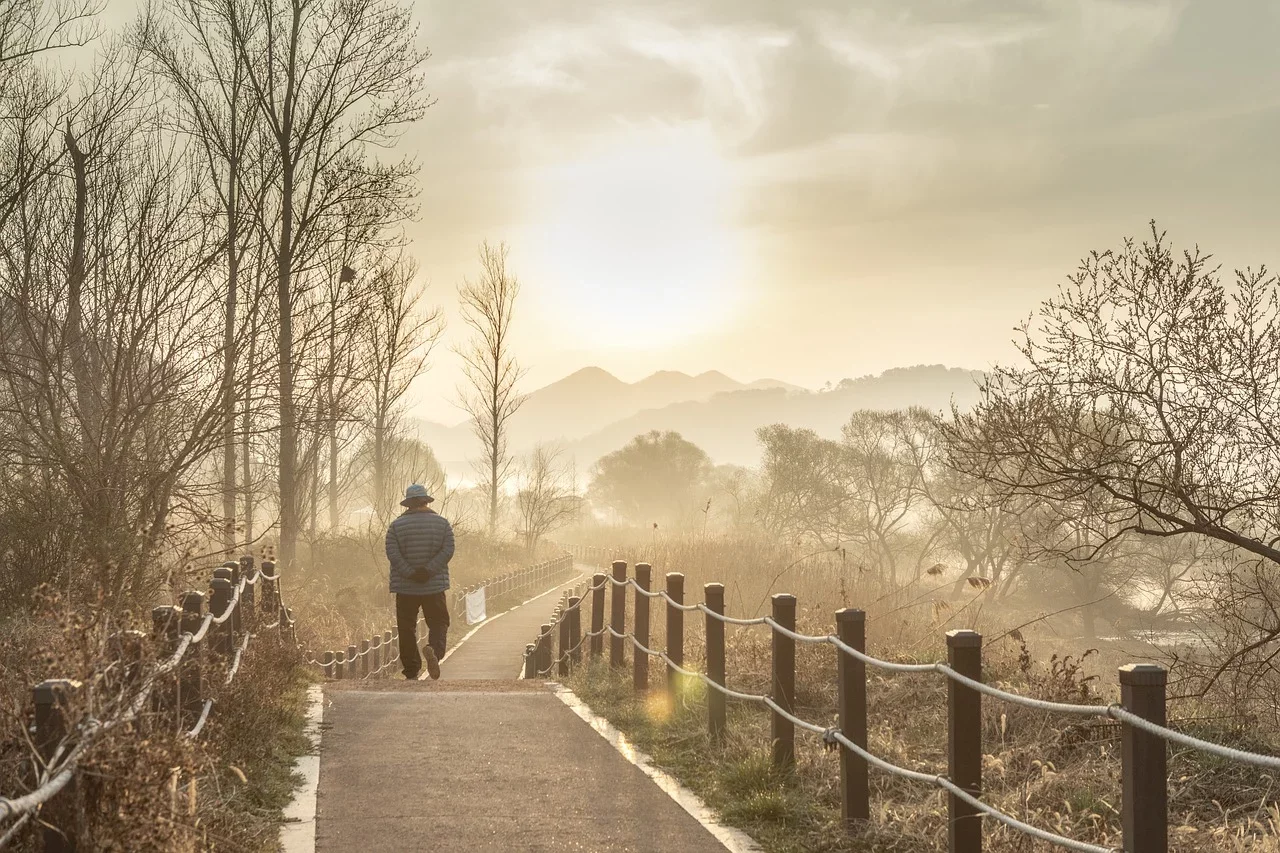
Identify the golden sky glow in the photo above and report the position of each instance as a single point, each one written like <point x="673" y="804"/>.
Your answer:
<point x="633" y="244"/>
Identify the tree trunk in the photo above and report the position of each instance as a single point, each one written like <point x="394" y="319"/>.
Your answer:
<point x="380" y="504"/>
<point x="288" y="463"/>
<point x="333" y="468"/>
<point x="314" y="503"/>
<point x="246" y="473"/>
<point x="229" y="369"/>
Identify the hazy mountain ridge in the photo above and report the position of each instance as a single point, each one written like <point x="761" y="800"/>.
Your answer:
<point x="725" y="425"/>
<point x="592" y="412"/>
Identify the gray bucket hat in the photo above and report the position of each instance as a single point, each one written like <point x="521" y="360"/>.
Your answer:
<point x="416" y="494"/>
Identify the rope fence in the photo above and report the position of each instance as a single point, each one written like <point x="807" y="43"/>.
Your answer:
<point x="158" y="678"/>
<point x="240" y="599"/>
<point x="1141" y="711"/>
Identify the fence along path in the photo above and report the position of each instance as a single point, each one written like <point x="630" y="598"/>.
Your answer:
<point x="1141" y="711"/>
<point x="158" y="680"/>
<point x="169" y="693"/>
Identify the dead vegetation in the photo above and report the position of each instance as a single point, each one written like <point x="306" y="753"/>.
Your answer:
<point x="1057" y="773"/>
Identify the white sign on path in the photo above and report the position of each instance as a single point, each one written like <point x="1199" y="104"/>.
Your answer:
<point x="475" y="606"/>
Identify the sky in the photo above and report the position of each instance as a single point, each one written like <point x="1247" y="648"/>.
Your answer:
<point x="814" y="189"/>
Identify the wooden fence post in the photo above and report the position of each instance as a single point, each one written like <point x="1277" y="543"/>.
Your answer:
<point x="375" y="654"/>
<point x="272" y="608"/>
<point x="326" y="661"/>
<point x="784" y="682"/>
<point x="52" y="703"/>
<point x="223" y="639"/>
<point x="388" y="642"/>
<point x="339" y="665"/>
<point x="190" y="681"/>
<point x="598" y="582"/>
<point x="713" y="597"/>
<point x="575" y="629"/>
<point x="364" y="658"/>
<point x="964" y="741"/>
<point x="618" y="615"/>
<point x="237" y="623"/>
<point x="640" y="628"/>
<point x="675" y="634"/>
<point x="353" y="668"/>
<point x="166" y="621"/>
<point x="249" y="599"/>
<point x="544" y="651"/>
<point x="855" y="791"/>
<point x="562" y="657"/>
<point x="1144" y="802"/>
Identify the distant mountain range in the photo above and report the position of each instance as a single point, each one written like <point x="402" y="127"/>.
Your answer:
<point x="592" y="412"/>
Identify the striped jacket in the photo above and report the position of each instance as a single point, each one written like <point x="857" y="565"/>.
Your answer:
<point x="419" y="547"/>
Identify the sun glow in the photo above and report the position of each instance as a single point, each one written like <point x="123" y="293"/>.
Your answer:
<point x="636" y="243"/>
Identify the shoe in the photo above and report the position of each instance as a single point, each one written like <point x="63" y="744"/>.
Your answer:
<point x="413" y="677"/>
<point x="432" y="662"/>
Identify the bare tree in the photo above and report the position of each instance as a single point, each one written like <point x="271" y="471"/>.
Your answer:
<point x="548" y="497"/>
<point x="491" y="370"/>
<point x="333" y="80"/>
<point x="398" y="342"/>
<point x="1148" y="397"/>
<point x="193" y="49"/>
<point x="106" y="394"/>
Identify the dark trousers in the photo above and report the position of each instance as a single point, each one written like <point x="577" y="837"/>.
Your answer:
<point x="435" y="609"/>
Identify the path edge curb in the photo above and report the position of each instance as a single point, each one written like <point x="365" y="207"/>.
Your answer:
<point x="733" y="839"/>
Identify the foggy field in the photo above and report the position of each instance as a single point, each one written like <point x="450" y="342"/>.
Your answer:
<point x="317" y="311"/>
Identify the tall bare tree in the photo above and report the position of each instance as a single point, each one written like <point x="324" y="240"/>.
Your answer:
<point x="191" y="45"/>
<point x="490" y="367"/>
<point x="334" y="80"/>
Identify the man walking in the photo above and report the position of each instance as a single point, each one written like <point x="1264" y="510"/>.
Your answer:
<point x="419" y="546"/>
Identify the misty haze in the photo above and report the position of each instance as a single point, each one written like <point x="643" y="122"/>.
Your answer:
<point x="746" y="426"/>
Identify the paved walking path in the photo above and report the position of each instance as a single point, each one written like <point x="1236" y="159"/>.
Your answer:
<point x="479" y="761"/>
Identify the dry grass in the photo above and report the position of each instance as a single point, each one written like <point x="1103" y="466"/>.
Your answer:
<point x="1055" y="773"/>
<point x="146" y="786"/>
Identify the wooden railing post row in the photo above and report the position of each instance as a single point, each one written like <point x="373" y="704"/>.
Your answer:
<point x="52" y="705"/>
<point x="190" y="681"/>
<point x="640" y="660"/>
<point x="575" y="629"/>
<point x="855" y="791"/>
<point x="675" y="634"/>
<point x="222" y="639"/>
<point x="1144" y="801"/>
<point x="713" y="597"/>
<point x="964" y="741"/>
<point x="783" y="731"/>
<point x="618" y="614"/>
<point x="598" y="581"/>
